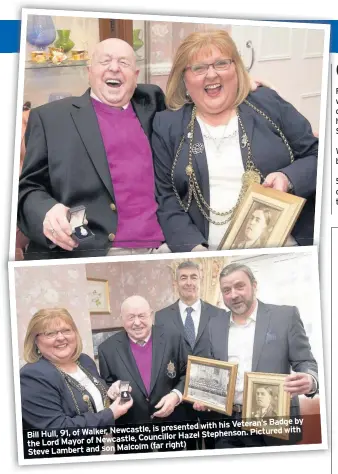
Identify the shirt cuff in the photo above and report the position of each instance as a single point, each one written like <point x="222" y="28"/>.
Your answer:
<point x="180" y="396"/>
<point x="314" y="386"/>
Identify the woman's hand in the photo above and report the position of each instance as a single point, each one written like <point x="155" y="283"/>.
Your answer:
<point x="120" y="409"/>
<point x="114" y="390"/>
<point x="277" y="181"/>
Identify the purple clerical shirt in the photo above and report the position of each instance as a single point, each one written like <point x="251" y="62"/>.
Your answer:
<point x="131" y="169"/>
<point x="143" y="358"/>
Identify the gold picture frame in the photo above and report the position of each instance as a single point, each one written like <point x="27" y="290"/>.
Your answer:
<point x="211" y="383"/>
<point x="265" y="218"/>
<point x="266" y="405"/>
<point x="98" y="296"/>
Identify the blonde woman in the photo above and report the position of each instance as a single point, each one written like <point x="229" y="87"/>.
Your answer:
<point x="217" y="137"/>
<point x="60" y="386"/>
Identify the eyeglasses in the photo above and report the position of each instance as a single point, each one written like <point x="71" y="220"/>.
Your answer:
<point x="220" y="65"/>
<point x="54" y="334"/>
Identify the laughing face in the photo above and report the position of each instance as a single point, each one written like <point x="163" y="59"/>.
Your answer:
<point x="57" y="342"/>
<point x="215" y="91"/>
<point x="113" y="74"/>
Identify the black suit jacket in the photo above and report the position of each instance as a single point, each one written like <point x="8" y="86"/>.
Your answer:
<point x="117" y="362"/>
<point x="66" y="163"/>
<point x="47" y="402"/>
<point x="184" y="230"/>
<point x="171" y="317"/>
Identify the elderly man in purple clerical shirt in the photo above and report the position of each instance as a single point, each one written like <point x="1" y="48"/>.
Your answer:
<point x="92" y="153"/>
<point x="151" y="358"/>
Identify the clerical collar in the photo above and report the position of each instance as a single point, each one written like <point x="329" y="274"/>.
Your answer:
<point x="94" y="96"/>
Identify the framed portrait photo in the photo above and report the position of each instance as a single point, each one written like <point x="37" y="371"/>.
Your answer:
<point x="98" y="296"/>
<point x="211" y="383"/>
<point x="266" y="404"/>
<point x="265" y="218"/>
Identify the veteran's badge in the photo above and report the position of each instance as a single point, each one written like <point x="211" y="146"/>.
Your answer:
<point x="171" y="371"/>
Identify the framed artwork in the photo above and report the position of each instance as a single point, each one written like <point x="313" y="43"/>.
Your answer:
<point x="100" y="335"/>
<point x="266" y="401"/>
<point x="265" y="218"/>
<point x="211" y="383"/>
<point x="98" y="296"/>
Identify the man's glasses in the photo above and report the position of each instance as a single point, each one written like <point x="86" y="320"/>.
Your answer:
<point x="54" y="334"/>
<point x="220" y="65"/>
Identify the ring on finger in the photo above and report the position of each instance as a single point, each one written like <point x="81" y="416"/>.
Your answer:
<point x="52" y="231"/>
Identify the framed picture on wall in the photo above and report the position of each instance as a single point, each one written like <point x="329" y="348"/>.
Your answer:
<point x="100" y="335"/>
<point x="264" y="219"/>
<point x="98" y="296"/>
<point x="266" y="401"/>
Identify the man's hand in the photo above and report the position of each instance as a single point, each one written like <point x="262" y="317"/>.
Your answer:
<point x="299" y="384"/>
<point x="167" y="405"/>
<point x="120" y="409"/>
<point x="255" y="83"/>
<point x="199" y="407"/>
<point x="277" y="181"/>
<point x="57" y="228"/>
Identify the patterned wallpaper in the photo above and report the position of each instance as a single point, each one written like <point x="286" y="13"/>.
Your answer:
<point x="152" y="279"/>
<point x="49" y="287"/>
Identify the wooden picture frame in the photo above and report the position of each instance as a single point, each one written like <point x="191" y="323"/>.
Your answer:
<point x="266" y="404"/>
<point x="98" y="296"/>
<point x="265" y="218"/>
<point x="100" y="335"/>
<point x="211" y="383"/>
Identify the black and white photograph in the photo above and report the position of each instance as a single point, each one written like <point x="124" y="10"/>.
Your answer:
<point x="208" y="383"/>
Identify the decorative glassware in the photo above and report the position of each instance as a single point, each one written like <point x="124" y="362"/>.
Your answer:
<point x="64" y="41"/>
<point x="40" y="31"/>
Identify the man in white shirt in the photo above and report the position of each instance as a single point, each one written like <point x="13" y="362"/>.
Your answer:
<point x="260" y="337"/>
<point x="190" y="317"/>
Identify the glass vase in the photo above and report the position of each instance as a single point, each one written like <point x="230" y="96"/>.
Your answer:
<point x="64" y="41"/>
<point x="40" y="31"/>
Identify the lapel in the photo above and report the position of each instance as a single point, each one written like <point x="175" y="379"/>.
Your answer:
<point x="176" y="317"/>
<point x="225" y="337"/>
<point x="158" y="345"/>
<point x="141" y="110"/>
<point x="85" y="120"/>
<point x="199" y="160"/>
<point x="204" y="319"/>
<point x="126" y="355"/>
<point x="247" y="116"/>
<point x="262" y="325"/>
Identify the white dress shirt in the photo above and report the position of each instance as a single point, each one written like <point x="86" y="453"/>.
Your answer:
<point x="240" y="350"/>
<point x="196" y="313"/>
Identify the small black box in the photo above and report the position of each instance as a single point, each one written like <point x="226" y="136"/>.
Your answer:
<point x="80" y="230"/>
<point x="124" y="392"/>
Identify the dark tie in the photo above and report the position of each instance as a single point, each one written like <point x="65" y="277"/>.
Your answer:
<point x="189" y="327"/>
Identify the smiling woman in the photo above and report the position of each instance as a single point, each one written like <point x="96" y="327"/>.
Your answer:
<point x="60" y="386"/>
<point x="218" y="138"/>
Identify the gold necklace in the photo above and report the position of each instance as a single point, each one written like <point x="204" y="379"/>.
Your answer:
<point x="251" y="175"/>
<point x="71" y="382"/>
